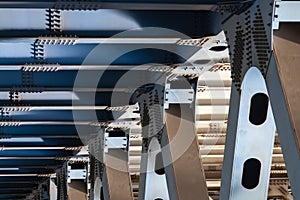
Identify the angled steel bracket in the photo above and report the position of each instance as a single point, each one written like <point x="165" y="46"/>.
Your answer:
<point x="178" y="96"/>
<point x="76" y="174"/>
<point x="285" y="11"/>
<point x="116" y="142"/>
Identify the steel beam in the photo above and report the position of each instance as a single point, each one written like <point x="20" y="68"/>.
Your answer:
<point x="34" y="153"/>
<point x="21" y="171"/>
<point x="116" y="168"/>
<point x="283" y="82"/>
<point x="47" y="115"/>
<point x="63" y="99"/>
<point x="230" y="143"/>
<point x="83" y="53"/>
<point x="108" y="164"/>
<point x="26" y="163"/>
<point x="38" y="22"/>
<point x="58" y="131"/>
<point x="130" y="5"/>
<point x="22" y="180"/>
<point x="180" y="163"/>
<point x="178" y="175"/>
<point x="248" y="29"/>
<point x="77" y="190"/>
<point x="254" y="140"/>
<point x="67" y="142"/>
<point x="62" y="183"/>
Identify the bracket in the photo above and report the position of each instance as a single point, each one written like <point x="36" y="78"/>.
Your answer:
<point x="193" y="42"/>
<point x="14" y="108"/>
<point x="56" y="40"/>
<point x="10" y="123"/>
<point x="124" y="124"/>
<point x="212" y="51"/>
<point x="53" y="20"/>
<point x="32" y="67"/>
<point x="129" y="119"/>
<point x="177" y="96"/>
<point x="78" y="174"/>
<point x="78" y="159"/>
<point x="187" y="70"/>
<point x="285" y="11"/>
<point x="113" y="142"/>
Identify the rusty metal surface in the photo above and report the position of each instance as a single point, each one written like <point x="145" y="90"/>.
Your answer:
<point x="117" y="175"/>
<point x="186" y="167"/>
<point x="287" y="55"/>
<point x="77" y="190"/>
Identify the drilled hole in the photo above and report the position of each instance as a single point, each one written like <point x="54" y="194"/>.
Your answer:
<point x="101" y="194"/>
<point x="251" y="173"/>
<point x="218" y="48"/>
<point x="159" y="167"/>
<point x="259" y="108"/>
<point x="117" y="133"/>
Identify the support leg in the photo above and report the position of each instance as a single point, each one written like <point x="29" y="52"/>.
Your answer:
<point x="185" y="174"/>
<point x="254" y="140"/>
<point x="45" y="190"/>
<point x="152" y="168"/>
<point x="53" y="190"/>
<point x="283" y="84"/>
<point x="248" y="29"/>
<point x="116" y="168"/>
<point x="174" y="127"/>
<point x="62" y="183"/>
<point x="230" y="143"/>
<point x="96" y="191"/>
<point x="108" y="164"/>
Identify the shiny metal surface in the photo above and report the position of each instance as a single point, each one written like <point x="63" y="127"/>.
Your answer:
<point x="252" y="141"/>
<point x="156" y="184"/>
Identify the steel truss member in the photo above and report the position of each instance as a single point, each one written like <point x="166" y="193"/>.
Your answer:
<point x="62" y="182"/>
<point x="108" y="163"/>
<point x="171" y="167"/>
<point x="249" y="28"/>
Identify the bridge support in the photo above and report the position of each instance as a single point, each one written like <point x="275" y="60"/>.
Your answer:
<point x="168" y="127"/>
<point x="108" y="163"/>
<point x="254" y="140"/>
<point x="283" y="84"/>
<point x="258" y="35"/>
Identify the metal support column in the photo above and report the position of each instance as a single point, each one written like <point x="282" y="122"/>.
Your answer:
<point x="77" y="187"/>
<point x="248" y="152"/>
<point x="283" y="84"/>
<point x="45" y="190"/>
<point x="184" y="171"/>
<point x="152" y="168"/>
<point x="62" y="183"/>
<point x="254" y="140"/>
<point x="109" y="162"/>
<point x="168" y="117"/>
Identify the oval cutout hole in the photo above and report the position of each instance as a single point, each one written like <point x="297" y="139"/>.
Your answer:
<point x="158" y="199"/>
<point x="251" y="173"/>
<point x="218" y="48"/>
<point x="159" y="167"/>
<point x="101" y="194"/>
<point x="259" y="108"/>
